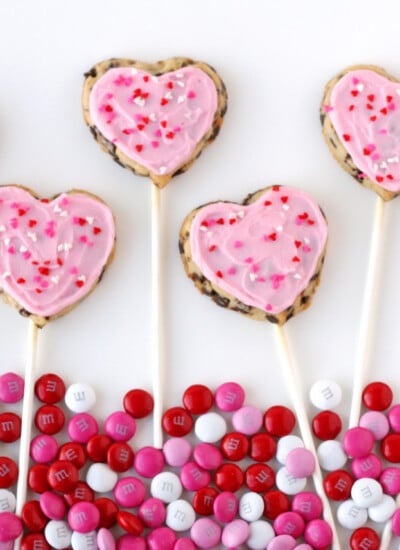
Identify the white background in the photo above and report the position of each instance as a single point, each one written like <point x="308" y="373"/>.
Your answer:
<point x="275" y="58"/>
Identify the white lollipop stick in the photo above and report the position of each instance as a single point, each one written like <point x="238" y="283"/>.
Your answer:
<point x="156" y="321"/>
<point x="387" y="531"/>
<point x="367" y="314"/>
<point x="294" y="384"/>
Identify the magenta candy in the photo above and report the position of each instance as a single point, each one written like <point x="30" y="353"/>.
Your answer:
<point x="235" y="533"/>
<point x="193" y="477"/>
<point x="396" y="523"/>
<point x="149" y="461"/>
<point x="369" y="466"/>
<point x="226" y="506"/>
<point x="105" y="539"/>
<point x="7" y="545"/>
<point x="129" y="492"/>
<point x="83" y="517"/>
<point x="152" y="512"/>
<point x="247" y="420"/>
<point x="229" y="397"/>
<point x="205" y="533"/>
<point x="184" y="544"/>
<point x="376" y="422"/>
<point x="120" y="425"/>
<point x="207" y="456"/>
<point x="82" y="427"/>
<point x="390" y="480"/>
<point x="177" y="451"/>
<point x="44" y="448"/>
<point x="394" y="418"/>
<point x="289" y="523"/>
<point x="131" y="542"/>
<point x="161" y="538"/>
<point x="282" y="542"/>
<point x="52" y="505"/>
<point x="10" y="526"/>
<point x="11" y="388"/>
<point x="300" y="462"/>
<point x="318" y="533"/>
<point x="358" y="442"/>
<point x="308" y="505"/>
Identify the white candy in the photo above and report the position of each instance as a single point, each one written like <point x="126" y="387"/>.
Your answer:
<point x="251" y="506"/>
<point x="366" y="492"/>
<point x="261" y="533"/>
<point x="350" y="515"/>
<point x="180" y="515"/>
<point x="58" y="534"/>
<point x="210" y="427"/>
<point x="287" y="444"/>
<point x="382" y="511"/>
<point x="7" y="501"/>
<point x="80" y="397"/>
<point x="331" y="455"/>
<point x="101" y="478"/>
<point x="84" y="541"/>
<point x="166" y="486"/>
<point x="325" y="395"/>
<point x="288" y="484"/>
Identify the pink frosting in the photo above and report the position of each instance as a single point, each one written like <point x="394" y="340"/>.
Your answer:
<point x="265" y="253"/>
<point x="51" y="253"/>
<point x="157" y="121"/>
<point x="365" y="112"/>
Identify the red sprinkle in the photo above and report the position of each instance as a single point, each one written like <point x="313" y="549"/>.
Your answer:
<point x="212" y="248"/>
<point x="164" y="101"/>
<point x="139" y="148"/>
<point x="220" y="221"/>
<point x="79" y="283"/>
<point x="219" y="274"/>
<point x="371" y="97"/>
<point x="267" y="203"/>
<point x="346" y="137"/>
<point x="295" y="259"/>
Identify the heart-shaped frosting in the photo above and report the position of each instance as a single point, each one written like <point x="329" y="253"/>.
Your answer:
<point x="157" y="120"/>
<point x="52" y="253"/>
<point x="364" y="108"/>
<point x="265" y="253"/>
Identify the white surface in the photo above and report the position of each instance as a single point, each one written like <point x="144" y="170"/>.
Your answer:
<point x="275" y="58"/>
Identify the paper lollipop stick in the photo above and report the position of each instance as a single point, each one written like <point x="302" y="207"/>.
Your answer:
<point x="52" y="254"/>
<point x="155" y="119"/>
<point x="262" y="258"/>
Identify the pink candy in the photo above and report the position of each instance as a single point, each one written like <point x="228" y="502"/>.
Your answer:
<point x="205" y="533"/>
<point x="83" y="517"/>
<point x="376" y="422"/>
<point x="358" y="442"/>
<point x="11" y="387"/>
<point x="289" y="523"/>
<point x="369" y="466"/>
<point x="149" y="462"/>
<point x="161" y="538"/>
<point x="229" y="397"/>
<point x="129" y="492"/>
<point x="207" y="456"/>
<point x="105" y="539"/>
<point x="308" y="505"/>
<point x="10" y="526"/>
<point x="131" y="542"/>
<point x="193" y="477"/>
<point x="152" y="512"/>
<point x="120" y="426"/>
<point x="300" y="462"/>
<point x="82" y="427"/>
<point x="318" y="533"/>
<point x="235" y="533"/>
<point x="394" y="418"/>
<point x="282" y="542"/>
<point x="43" y="449"/>
<point x="52" y="505"/>
<point x="226" y="505"/>
<point x="247" y="420"/>
<point x="177" y="451"/>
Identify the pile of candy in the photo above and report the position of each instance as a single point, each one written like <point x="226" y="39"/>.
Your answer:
<point x="228" y="474"/>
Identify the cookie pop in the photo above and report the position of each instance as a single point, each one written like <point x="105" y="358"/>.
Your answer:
<point x="154" y="119"/>
<point x="53" y="253"/>
<point x="262" y="258"/>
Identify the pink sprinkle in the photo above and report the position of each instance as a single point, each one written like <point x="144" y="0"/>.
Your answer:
<point x="231" y="271"/>
<point x="191" y="94"/>
<point x="90" y="243"/>
<point x="383" y="131"/>
<point x="268" y="307"/>
<point x="211" y="223"/>
<point x="11" y="250"/>
<point x="114" y="140"/>
<point x="83" y="239"/>
<point x="44" y="283"/>
<point x="155" y="144"/>
<point x="109" y="96"/>
<point x="75" y="220"/>
<point x="37" y="278"/>
<point x="255" y="268"/>
<point x="299" y="221"/>
<point x="376" y="156"/>
<point x="306" y="248"/>
<point x="355" y="80"/>
<point x="14" y="223"/>
<point x="371" y="147"/>
<point x="138" y="117"/>
<point x="238" y="244"/>
<point x="392" y="106"/>
<point x="158" y="133"/>
<point x="73" y="270"/>
<point x="128" y="81"/>
<point x="14" y="205"/>
<point x="26" y="255"/>
<point x="249" y="260"/>
<point x="177" y="129"/>
<point x="328" y="108"/>
<point x="261" y="279"/>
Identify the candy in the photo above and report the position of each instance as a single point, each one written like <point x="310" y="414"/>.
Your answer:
<point x="82" y="427"/>
<point x="377" y="396"/>
<point x="130" y="522"/>
<point x="358" y="442"/>
<point x="138" y="403"/>
<point x="376" y="423"/>
<point x="210" y="427"/>
<point x="10" y="526"/>
<point x="226" y="506"/>
<point x="62" y="476"/>
<point x="300" y="463"/>
<point x="259" y="477"/>
<point x="364" y="537"/>
<point x="97" y="447"/>
<point x="275" y="503"/>
<point x="251" y="506"/>
<point x="308" y="505"/>
<point x="120" y="457"/>
<point x="33" y="517"/>
<point x="350" y="515"/>
<point x="84" y="541"/>
<point x="289" y="484"/>
<point x="235" y="533"/>
<point x="108" y="511"/>
<point x="331" y="455"/>
<point x="369" y="466"/>
<point x="177" y="422"/>
<point x="180" y="515"/>
<point x="326" y="425"/>
<point x="120" y="426"/>
<point x="83" y="517"/>
<point x="7" y="501"/>
<point x="149" y="461"/>
<point x="11" y="388"/>
<point x="338" y="484"/>
<point x="289" y="523"/>
<point x="285" y="445"/>
<point x="8" y="472"/>
<point x="318" y="533"/>
<point x="260" y="534"/>
<point x="129" y="492"/>
<point x="52" y="505"/>
<point x="229" y="397"/>
<point x="49" y="388"/>
<point x="279" y="420"/>
<point x="58" y="534"/>
<point x="262" y="447"/>
<point x="390" y="447"/>
<point x="204" y="499"/>
<point x="198" y="399"/>
<point x="74" y="452"/>
<point x="325" y="394"/>
<point x="394" y="418"/>
<point x="177" y="451"/>
<point x="229" y="477"/>
<point x="234" y="446"/>
<point x="49" y="419"/>
<point x="80" y="397"/>
<point x="166" y="487"/>
<point x="366" y="492"/>
<point x="152" y="512"/>
<point x="208" y="456"/>
<point x="43" y="448"/>
<point x="205" y="533"/>
<point x="382" y="511"/>
<point x="101" y="478"/>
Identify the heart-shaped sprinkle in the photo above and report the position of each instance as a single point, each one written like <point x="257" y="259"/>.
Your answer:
<point x="52" y="258"/>
<point x="268" y="257"/>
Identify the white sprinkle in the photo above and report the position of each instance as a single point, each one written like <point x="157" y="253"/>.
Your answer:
<point x="188" y="115"/>
<point x="55" y="279"/>
<point x="168" y="95"/>
<point x="67" y="246"/>
<point x="2" y="227"/>
<point x="203" y="228"/>
<point x="398" y="91"/>
<point x="7" y="241"/>
<point x="375" y="166"/>
<point x="64" y="214"/>
<point x="285" y="206"/>
<point x="210" y="234"/>
<point x="297" y="276"/>
<point x="57" y="208"/>
<point x="306" y="240"/>
<point x="22" y="248"/>
<point x="162" y="170"/>
<point x="232" y="215"/>
<point x="154" y="78"/>
<point x="180" y="83"/>
<point x="90" y="220"/>
<point x="360" y="87"/>
<point x="152" y="117"/>
<point x="383" y="164"/>
<point x="181" y="99"/>
<point x="393" y="159"/>
<point x="279" y="228"/>
<point x="179" y="75"/>
<point x="133" y="70"/>
<point x="139" y="101"/>
<point x="241" y="214"/>
<point x="60" y="247"/>
<point x="32" y="235"/>
<point x="253" y="277"/>
<point x="82" y="278"/>
<point x="6" y="274"/>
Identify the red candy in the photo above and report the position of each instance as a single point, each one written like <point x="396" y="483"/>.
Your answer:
<point x="279" y="420"/>
<point x="49" y="419"/>
<point x="33" y="517"/>
<point x="229" y="477"/>
<point x="275" y="503"/>
<point x="63" y="476"/>
<point x="35" y="541"/>
<point x="97" y="447"/>
<point x="50" y="389"/>
<point x="259" y="478"/>
<point x="326" y="425"/>
<point x="203" y="500"/>
<point x="198" y="399"/>
<point x="8" y="472"/>
<point x="338" y="485"/>
<point x="377" y="396"/>
<point x="10" y="427"/>
<point x="262" y="447"/>
<point x="390" y="448"/>
<point x="365" y="538"/>
<point x="234" y="446"/>
<point x="177" y="422"/>
<point x="73" y="452"/>
<point x="81" y="492"/>
<point x="120" y="456"/>
<point x="138" y="403"/>
<point x="108" y="511"/>
<point x="37" y="478"/>
<point x="130" y="523"/>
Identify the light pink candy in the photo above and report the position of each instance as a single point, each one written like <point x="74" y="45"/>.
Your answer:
<point x="358" y="442"/>
<point x="11" y="387"/>
<point x="177" y="451"/>
<point x="229" y="397"/>
<point x="44" y="448"/>
<point x="289" y="523"/>
<point x="282" y="542"/>
<point x="162" y="538"/>
<point x="120" y="426"/>
<point x="129" y="492"/>
<point x="7" y="545"/>
<point x="247" y="420"/>
<point x="83" y="517"/>
<point x="318" y="533"/>
<point x="235" y="533"/>
<point x="390" y="480"/>
<point x="105" y="539"/>
<point x="205" y="533"/>
<point x="10" y="526"/>
<point x="369" y="466"/>
<point x="82" y="427"/>
<point x="52" y="505"/>
<point x="225" y="506"/>
<point x="193" y="477"/>
<point x="149" y="461"/>
<point x="207" y="456"/>
<point x="131" y="542"/>
<point x="300" y="462"/>
<point x="376" y="422"/>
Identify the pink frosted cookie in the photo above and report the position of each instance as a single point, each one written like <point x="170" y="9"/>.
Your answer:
<point x="154" y="118"/>
<point x="360" y="116"/>
<point x="263" y="257"/>
<point x="53" y="252"/>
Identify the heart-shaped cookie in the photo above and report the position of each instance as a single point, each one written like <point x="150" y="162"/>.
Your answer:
<point x="52" y="252"/>
<point x="360" y="115"/>
<point x="262" y="258"/>
<point x="154" y="118"/>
